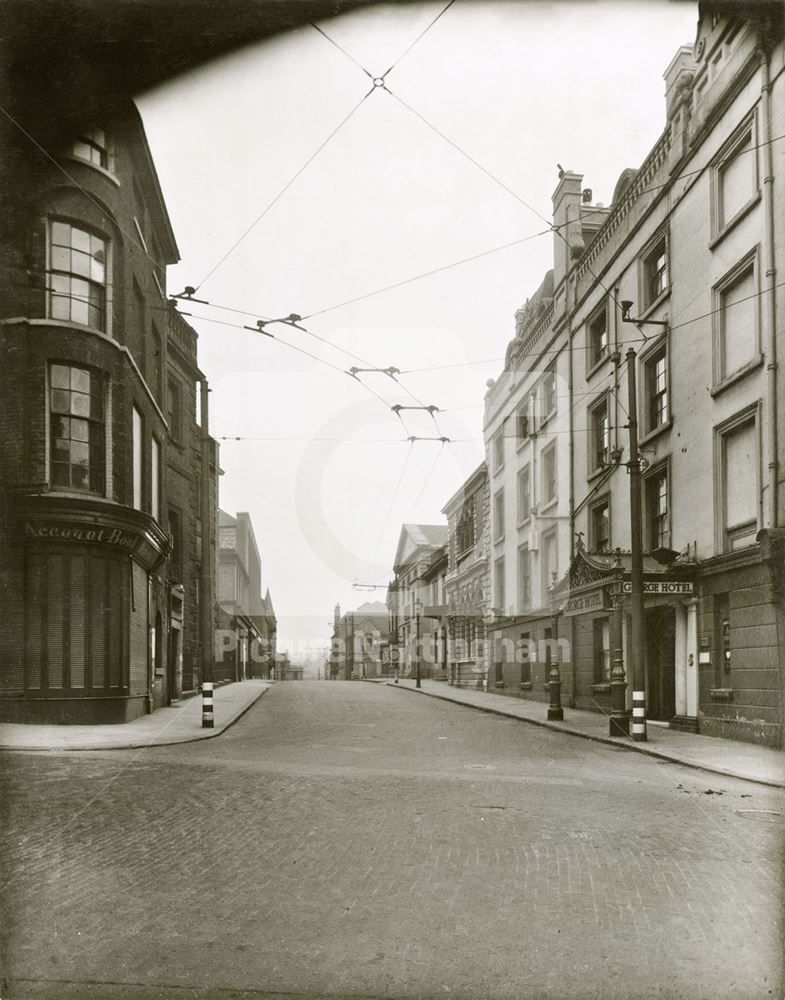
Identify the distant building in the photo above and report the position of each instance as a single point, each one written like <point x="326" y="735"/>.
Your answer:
<point x="467" y="583"/>
<point x="359" y="642"/>
<point x="246" y="639"/>
<point x="415" y="600"/>
<point x="285" y="670"/>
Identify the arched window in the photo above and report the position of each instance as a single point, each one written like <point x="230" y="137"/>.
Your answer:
<point x="76" y="275"/>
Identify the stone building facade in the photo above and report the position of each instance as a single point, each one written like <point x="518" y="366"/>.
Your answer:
<point x="679" y="285"/>
<point x="415" y="599"/>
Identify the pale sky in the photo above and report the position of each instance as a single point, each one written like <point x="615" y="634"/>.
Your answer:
<point x="519" y="87"/>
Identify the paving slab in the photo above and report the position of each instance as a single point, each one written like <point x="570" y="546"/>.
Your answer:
<point x="180" y="723"/>
<point x="732" y="758"/>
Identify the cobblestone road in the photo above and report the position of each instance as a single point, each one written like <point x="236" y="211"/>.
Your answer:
<point x="349" y="840"/>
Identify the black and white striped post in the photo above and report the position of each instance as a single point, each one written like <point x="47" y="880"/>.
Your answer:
<point x="207" y="704"/>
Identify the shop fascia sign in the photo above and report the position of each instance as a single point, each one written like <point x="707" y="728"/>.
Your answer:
<point x="662" y="587"/>
<point x="63" y="532"/>
<point x="592" y="600"/>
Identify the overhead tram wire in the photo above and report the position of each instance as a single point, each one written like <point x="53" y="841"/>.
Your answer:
<point x="391" y="505"/>
<point x="294" y="347"/>
<point x="292" y="321"/>
<point x="422" y="34"/>
<point x="427" y="479"/>
<point x="425" y="274"/>
<point x="283" y="190"/>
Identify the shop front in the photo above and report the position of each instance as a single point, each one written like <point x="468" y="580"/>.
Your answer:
<point x="594" y="599"/>
<point x="90" y="626"/>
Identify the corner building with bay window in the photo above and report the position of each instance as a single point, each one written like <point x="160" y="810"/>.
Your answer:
<point x="88" y="599"/>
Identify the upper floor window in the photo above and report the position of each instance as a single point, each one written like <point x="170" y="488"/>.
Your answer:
<point x="599" y="435"/>
<point x="548" y="390"/>
<point x="655" y="272"/>
<point x="655" y="389"/>
<point x="524" y="578"/>
<point x="736" y="320"/>
<point x="498" y="515"/>
<point x="136" y="457"/>
<point x="77" y="275"/>
<point x="523" y="422"/>
<point x="735" y="176"/>
<point x="174" y="409"/>
<point x="524" y="494"/>
<point x="657" y="502"/>
<point x="77" y="429"/>
<point x="597" y="336"/>
<point x="600" y="526"/>
<point x="738" y="454"/>
<point x="498" y="449"/>
<point x="549" y="482"/>
<point x="155" y="478"/>
<point x="464" y="532"/>
<point x="92" y="145"/>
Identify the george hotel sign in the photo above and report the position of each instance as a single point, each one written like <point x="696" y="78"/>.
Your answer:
<point x="593" y="600"/>
<point x="662" y="587"/>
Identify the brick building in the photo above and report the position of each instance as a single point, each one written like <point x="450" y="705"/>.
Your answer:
<point x="246" y="645"/>
<point x="678" y="278"/>
<point x="89" y="605"/>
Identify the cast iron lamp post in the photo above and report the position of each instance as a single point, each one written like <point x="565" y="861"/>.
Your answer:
<point x="555" y="710"/>
<point x="417" y="613"/>
<point x="619" y="719"/>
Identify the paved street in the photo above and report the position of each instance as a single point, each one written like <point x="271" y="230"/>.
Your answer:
<point x="350" y="840"/>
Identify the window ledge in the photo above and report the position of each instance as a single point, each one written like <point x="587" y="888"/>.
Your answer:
<point x="550" y="505"/>
<point x="719" y="387"/>
<point x="498" y="684"/>
<point x="596" y="473"/>
<point x="656" y="431"/>
<point x="92" y="166"/>
<point x="526" y="685"/>
<point x="742" y="213"/>
<point x="598" y="365"/>
<point x="545" y="421"/>
<point x="525" y="522"/>
<point x="603" y="688"/>
<point x="662" y="297"/>
<point x="721" y="694"/>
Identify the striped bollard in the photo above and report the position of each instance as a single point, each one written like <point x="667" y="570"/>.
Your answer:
<point x="207" y="704"/>
<point x="638" y="717"/>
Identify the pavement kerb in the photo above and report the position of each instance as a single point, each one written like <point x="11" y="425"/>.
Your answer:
<point x="203" y="735"/>
<point x="595" y="738"/>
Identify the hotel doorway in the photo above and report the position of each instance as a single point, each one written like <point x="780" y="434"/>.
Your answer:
<point x="661" y="663"/>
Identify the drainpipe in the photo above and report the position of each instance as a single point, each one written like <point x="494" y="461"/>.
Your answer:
<point x="770" y="290"/>
<point x="571" y="449"/>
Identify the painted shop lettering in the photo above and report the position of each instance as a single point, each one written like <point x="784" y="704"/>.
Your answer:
<point x="105" y="536"/>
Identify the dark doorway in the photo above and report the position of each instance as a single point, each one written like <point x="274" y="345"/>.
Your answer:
<point x="661" y="664"/>
<point x="172" y="674"/>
